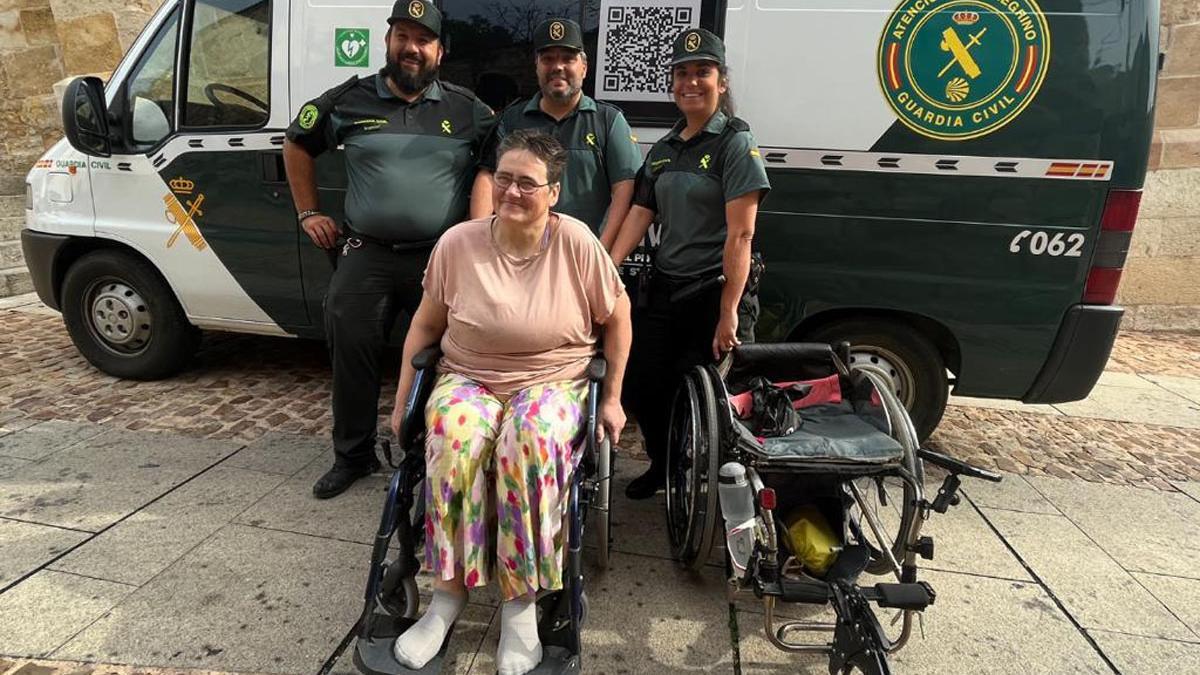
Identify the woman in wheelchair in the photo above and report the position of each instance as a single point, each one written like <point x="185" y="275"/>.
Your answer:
<point x="517" y="302"/>
<point x="704" y="180"/>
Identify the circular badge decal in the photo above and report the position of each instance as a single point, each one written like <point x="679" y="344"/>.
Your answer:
<point x="557" y="30"/>
<point x="415" y="9"/>
<point x="692" y="42"/>
<point x="962" y="69"/>
<point x="308" y="116"/>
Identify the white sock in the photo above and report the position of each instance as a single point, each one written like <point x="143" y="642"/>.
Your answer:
<point x="424" y="639"/>
<point x="520" y="649"/>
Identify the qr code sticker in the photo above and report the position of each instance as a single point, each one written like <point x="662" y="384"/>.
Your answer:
<point x="635" y="46"/>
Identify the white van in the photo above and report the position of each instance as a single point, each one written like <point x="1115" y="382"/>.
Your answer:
<point x="954" y="181"/>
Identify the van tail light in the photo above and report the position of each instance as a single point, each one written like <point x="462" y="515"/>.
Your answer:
<point x="1116" y="229"/>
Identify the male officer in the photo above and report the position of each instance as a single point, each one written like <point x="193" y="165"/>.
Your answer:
<point x="412" y="144"/>
<point x="602" y="156"/>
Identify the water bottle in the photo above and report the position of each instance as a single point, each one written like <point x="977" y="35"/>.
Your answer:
<point x="737" y="507"/>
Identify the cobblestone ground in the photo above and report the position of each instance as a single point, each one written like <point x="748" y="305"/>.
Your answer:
<point x="243" y="386"/>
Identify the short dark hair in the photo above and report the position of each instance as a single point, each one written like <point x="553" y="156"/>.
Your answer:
<point x="541" y="145"/>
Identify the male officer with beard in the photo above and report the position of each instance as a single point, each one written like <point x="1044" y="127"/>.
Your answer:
<point x="602" y="157"/>
<point x="412" y="146"/>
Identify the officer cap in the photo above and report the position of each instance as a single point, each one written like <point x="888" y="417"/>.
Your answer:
<point x="418" y="11"/>
<point x="558" y="33"/>
<point x="697" y="44"/>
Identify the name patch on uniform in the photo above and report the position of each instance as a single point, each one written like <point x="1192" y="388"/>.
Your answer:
<point x="960" y="69"/>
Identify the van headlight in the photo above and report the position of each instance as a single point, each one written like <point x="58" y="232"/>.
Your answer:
<point x="28" y="196"/>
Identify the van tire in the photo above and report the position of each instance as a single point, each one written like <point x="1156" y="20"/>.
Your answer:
<point x="908" y="357"/>
<point x="124" y="319"/>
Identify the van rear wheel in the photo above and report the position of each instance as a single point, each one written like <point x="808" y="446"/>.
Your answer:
<point x="902" y="355"/>
<point x="124" y="319"/>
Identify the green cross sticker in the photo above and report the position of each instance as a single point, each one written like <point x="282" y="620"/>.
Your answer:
<point x="350" y="47"/>
<point x="308" y="116"/>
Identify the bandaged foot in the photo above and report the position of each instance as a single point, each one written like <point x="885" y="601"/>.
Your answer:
<point x="424" y="639"/>
<point x="520" y="649"/>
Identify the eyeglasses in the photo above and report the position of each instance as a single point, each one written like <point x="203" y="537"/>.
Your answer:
<point x="525" y="186"/>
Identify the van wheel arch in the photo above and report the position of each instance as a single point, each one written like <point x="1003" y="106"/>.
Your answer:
<point x="77" y="247"/>
<point x="902" y="337"/>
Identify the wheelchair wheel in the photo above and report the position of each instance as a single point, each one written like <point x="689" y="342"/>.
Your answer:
<point x="890" y="500"/>
<point x="398" y="595"/>
<point x="692" y="470"/>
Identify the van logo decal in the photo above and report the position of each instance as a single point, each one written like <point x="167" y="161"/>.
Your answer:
<point x="308" y="116"/>
<point x="182" y="211"/>
<point x="962" y="69"/>
<point x="350" y="47"/>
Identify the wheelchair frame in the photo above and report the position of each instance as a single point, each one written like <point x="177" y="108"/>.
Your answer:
<point x="391" y="599"/>
<point x="858" y="640"/>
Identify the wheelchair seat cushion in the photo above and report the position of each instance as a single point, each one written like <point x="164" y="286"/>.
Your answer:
<point x="832" y="434"/>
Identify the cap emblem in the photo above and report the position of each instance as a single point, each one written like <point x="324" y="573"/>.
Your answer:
<point x="557" y="30"/>
<point x="416" y="9"/>
<point x="692" y="42"/>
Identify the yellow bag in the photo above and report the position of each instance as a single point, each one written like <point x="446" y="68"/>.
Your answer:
<point x="814" y="542"/>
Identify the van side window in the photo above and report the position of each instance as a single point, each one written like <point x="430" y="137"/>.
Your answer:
<point x="229" y="64"/>
<point x="151" y="92"/>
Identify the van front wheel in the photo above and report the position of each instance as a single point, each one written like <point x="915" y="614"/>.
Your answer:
<point x="903" y="356"/>
<point x="124" y="318"/>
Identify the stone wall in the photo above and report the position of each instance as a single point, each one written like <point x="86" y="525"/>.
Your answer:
<point x="42" y="42"/>
<point x="1161" y="285"/>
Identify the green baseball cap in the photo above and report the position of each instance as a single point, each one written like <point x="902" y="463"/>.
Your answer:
<point x="697" y="44"/>
<point x="558" y="33"/>
<point x="421" y="12"/>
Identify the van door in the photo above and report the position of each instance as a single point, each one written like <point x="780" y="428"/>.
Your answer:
<point x="199" y="187"/>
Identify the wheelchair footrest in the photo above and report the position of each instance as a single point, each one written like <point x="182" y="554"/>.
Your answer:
<point x="915" y="596"/>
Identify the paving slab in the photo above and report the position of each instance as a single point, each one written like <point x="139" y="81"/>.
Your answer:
<point x="638" y="527"/>
<point x="95" y="483"/>
<point x="1143" y="530"/>
<point x="150" y="540"/>
<point x="1181" y="596"/>
<point x="1012" y="493"/>
<point x="284" y="454"/>
<point x="1190" y="488"/>
<point x="27" y="547"/>
<point x="14" y="421"/>
<point x="351" y="516"/>
<point x="245" y="600"/>
<point x="45" y="610"/>
<point x="1187" y="387"/>
<point x="963" y="542"/>
<point x="1137" y="655"/>
<point x="45" y="438"/>
<point x="1090" y="584"/>
<point x="1127" y="397"/>
<point x="648" y="616"/>
<point x="12" y="465"/>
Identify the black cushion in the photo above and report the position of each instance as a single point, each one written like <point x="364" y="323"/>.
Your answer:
<point x="779" y="362"/>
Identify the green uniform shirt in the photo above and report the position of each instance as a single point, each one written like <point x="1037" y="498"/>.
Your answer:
<point x="687" y="183"/>
<point x="600" y="152"/>
<point x="409" y="166"/>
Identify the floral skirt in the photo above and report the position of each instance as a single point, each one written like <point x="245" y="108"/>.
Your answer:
<point x="498" y="474"/>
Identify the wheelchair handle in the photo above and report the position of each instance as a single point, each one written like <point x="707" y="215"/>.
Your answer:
<point x="956" y="466"/>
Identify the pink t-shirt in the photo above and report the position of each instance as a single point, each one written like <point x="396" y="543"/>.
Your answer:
<point x="516" y="323"/>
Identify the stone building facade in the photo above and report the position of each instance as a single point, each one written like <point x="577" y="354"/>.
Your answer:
<point x="44" y="41"/>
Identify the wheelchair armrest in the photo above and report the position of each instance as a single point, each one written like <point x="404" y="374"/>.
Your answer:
<point x="597" y="369"/>
<point x="427" y="358"/>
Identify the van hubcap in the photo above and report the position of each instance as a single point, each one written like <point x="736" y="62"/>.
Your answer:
<point x="119" y="317"/>
<point x="888" y="365"/>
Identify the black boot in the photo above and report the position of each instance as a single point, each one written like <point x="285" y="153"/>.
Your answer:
<point x="338" y="479"/>
<point x="648" y="484"/>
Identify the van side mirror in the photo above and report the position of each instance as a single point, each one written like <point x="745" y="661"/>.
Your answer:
<point x="85" y="117"/>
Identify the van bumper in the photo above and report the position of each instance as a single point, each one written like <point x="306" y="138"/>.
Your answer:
<point x="41" y="252"/>
<point x="1078" y="356"/>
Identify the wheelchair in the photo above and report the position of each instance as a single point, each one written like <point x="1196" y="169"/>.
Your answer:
<point x="392" y="599"/>
<point x="855" y="459"/>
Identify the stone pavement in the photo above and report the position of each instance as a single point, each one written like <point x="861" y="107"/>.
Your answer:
<point x="167" y="527"/>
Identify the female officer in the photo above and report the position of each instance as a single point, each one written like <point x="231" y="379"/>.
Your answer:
<point x="704" y="180"/>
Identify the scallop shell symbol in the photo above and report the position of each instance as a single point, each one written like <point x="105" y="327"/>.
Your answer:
<point x="957" y="89"/>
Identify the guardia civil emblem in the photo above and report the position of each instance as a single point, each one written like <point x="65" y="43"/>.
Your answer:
<point x="415" y="9"/>
<point x="557" y="30"/>
<point x="962" y="69"/>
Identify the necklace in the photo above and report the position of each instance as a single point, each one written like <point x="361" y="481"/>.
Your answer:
<point x="542" y="245"/>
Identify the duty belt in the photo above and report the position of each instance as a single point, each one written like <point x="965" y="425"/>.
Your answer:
<point x="357" y="239"/>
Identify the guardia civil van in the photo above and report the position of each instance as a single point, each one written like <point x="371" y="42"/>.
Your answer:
<point x="955" y="182"/>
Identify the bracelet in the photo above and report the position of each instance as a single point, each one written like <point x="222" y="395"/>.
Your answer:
<point x="305" y="214"/>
